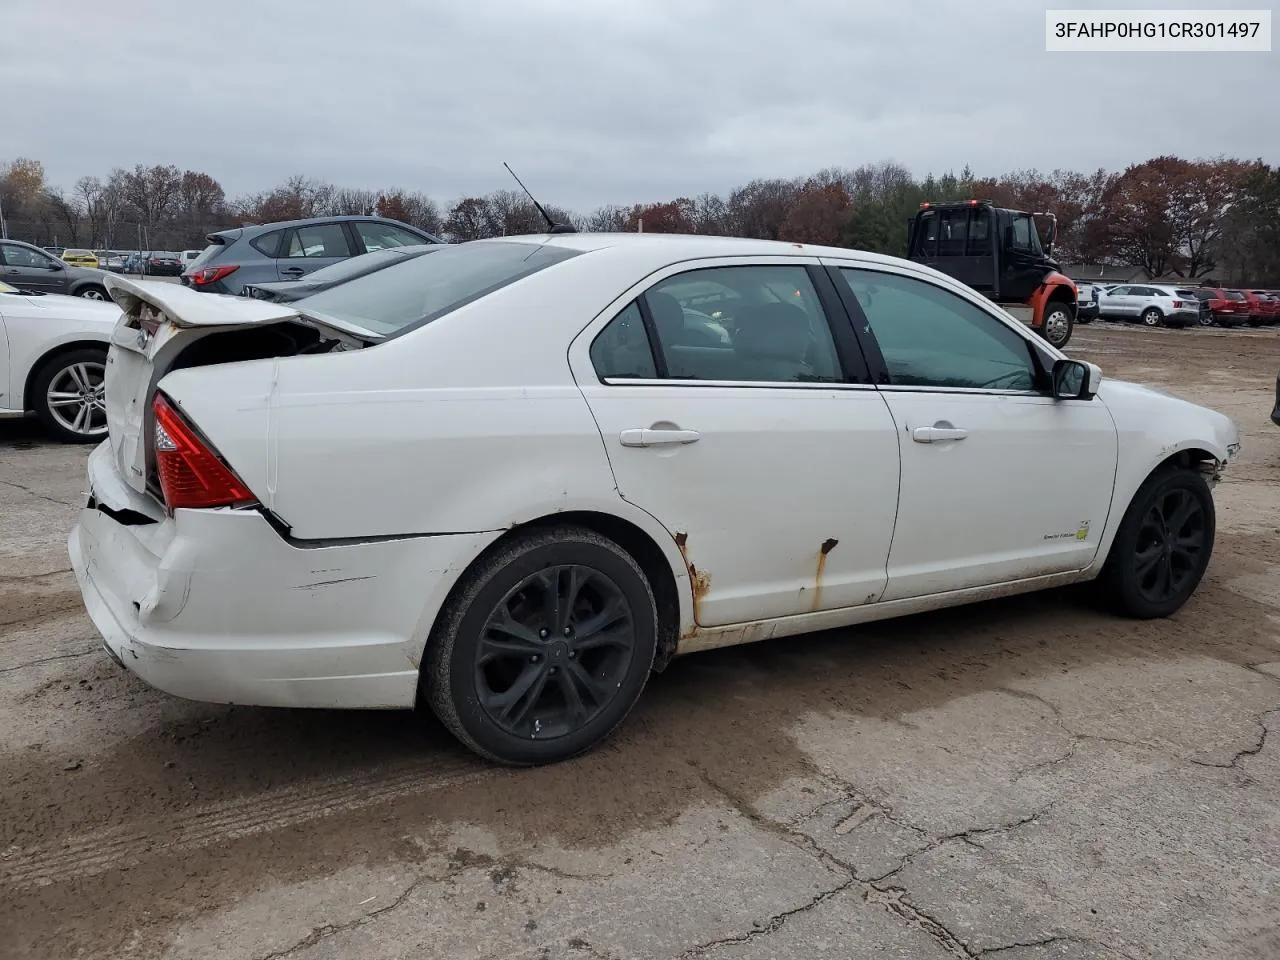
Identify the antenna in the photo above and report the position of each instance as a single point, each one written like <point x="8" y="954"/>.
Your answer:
<point x="552" y="226"/>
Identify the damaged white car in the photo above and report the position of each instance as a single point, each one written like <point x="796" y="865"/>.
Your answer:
<point x="511" y="479"/>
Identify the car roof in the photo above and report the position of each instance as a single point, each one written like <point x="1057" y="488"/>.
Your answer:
<point x="686" y="246"/>
<point x="286" y="224"/>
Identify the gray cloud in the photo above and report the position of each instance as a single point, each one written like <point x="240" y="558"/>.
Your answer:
<point x="598" y="101"/>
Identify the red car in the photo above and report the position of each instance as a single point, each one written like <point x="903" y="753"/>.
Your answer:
<point x="1263" y="309"/>
<point x="1227" y="308"/>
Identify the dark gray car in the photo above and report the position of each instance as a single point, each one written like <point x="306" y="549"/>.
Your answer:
<point x="265" y="253"/>
<point x="27" y="267"/>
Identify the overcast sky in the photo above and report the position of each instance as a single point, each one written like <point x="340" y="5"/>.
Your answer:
<point x="600" y="101"/>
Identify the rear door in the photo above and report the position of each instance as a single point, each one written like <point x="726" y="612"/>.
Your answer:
<point x="307" y="249"/>
<point x="735" y="411"/>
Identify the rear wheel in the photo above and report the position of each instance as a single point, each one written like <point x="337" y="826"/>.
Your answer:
<point x="1058" y="323"/>
<point x="1151" y="317"/>
<point x="1163" y="545"/>
<point x="543" y="648"/>
<point x="1206" y="319"/>
<point x="69" y="395"/>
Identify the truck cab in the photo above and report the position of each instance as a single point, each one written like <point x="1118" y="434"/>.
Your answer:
<point x="999" y="253"/>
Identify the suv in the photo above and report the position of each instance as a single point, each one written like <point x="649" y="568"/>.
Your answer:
<point x="1263" y="308"/>
<point x="1153" y="305"/>
<point x="27" y="267"/>
<point x="1227" y="308"/>
<point x="264" y="253"/>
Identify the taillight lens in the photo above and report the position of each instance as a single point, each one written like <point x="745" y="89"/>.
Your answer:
<point x="1177" y="303"/>
<point x="191" y="472"/>
<point x="207" y="275"/>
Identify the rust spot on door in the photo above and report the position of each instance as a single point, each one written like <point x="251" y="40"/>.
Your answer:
<point x="827" y="546"/>
<point x="699" y="580"/>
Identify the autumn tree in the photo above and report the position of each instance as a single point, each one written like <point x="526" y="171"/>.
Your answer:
<point x="674" y="216"/>
<point x="411" y="207"/>
<point x="819" y="214"/>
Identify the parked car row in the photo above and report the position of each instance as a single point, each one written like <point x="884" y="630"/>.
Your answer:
<point x="1169" y="305"/>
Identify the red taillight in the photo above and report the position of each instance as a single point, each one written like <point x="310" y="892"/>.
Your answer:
<point x="1177" y="303"/>
<point x="191" y="473"/>
<point x="208" y="275"/>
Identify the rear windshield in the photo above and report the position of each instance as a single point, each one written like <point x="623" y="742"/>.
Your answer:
<point x="1188" y="294"/>
<point x="1206" y="294"/>
<point x="407" y="295"/>
<point x="1236" y="295"/>
<point x="368" y="263"/>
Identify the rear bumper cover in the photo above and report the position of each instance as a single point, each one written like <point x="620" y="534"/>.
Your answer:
<point x="214" y="605"/>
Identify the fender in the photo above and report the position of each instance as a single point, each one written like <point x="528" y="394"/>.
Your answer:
<point x="1052" y="283"/>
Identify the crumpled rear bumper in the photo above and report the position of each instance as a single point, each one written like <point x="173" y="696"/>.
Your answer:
<point x="215" y="605"/>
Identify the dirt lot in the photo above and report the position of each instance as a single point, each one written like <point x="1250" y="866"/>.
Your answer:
<point x="1027" y="779"/>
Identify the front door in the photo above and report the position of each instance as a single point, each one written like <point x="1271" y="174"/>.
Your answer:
<point x="29" y="269"/>
<point x="734" y="412"/>
<point x="1000" y="482"/>
<point x="1022" y="261"/>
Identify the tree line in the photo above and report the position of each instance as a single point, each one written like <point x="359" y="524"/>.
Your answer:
<point x="1166" y="216"/>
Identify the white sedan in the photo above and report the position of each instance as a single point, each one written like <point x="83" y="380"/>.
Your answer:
<point x="53" y="350"/>
<point x="511" y="479"/>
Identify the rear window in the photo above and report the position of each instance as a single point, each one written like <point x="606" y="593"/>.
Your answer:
<point x="407" y="295"/>
<point x="1206" y="294"/>
<point x="268" y="244"/>
<point x="1188" y="294"/>
<point x="1235" y="295"/>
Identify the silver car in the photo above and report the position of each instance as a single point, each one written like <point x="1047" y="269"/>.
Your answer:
<point x="1152" y="304"/>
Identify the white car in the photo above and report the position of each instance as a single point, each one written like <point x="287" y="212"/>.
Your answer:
<point x="53" y="351"/>
<point x="493" y="481"/>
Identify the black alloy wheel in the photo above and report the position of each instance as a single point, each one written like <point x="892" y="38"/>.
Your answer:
<point x="552" y="652"/>
<point x="1162" y="547"/>
<point x="543" y="647"/>
<point x="1170" y="546"/>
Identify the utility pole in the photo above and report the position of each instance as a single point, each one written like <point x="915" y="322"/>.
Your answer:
<point x="4" y="227"/>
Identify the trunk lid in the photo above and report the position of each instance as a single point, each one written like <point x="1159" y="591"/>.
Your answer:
<point x="159" y="322"/>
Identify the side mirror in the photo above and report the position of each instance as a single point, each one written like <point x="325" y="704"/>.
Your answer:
<point x="1075" y="380"/>
<point x="54" y="266"/>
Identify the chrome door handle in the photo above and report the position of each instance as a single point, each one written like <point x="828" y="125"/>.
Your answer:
<point x="940" y="431"/>
<point x="656" y="438"/>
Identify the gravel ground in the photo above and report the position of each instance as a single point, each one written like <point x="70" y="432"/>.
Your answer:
<point x="1027" y="779"/>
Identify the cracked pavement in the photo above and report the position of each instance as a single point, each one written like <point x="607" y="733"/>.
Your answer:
<point x="1028" y="779"/>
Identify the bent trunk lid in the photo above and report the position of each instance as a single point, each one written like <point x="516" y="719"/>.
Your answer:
<point x="158" y="322"/>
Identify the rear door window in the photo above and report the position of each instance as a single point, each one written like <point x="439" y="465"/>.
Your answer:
<point x="319" y="240"/>
<point x="268" y="244"/>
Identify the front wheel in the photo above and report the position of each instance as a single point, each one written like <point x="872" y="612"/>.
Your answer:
<point x="543" y="648"/>
<point x="1151" y="317"/>
<point x="94" y="293"/>
<point x="1162" y="547"/>
<point x="1058" y="324"/>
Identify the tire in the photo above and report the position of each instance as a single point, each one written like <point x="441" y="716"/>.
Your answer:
<point x="1151" y="317"/>
<point x="1058" y="324"/>
<point x="1255" y="321"/>
<point x="76" y="371"/>
<point x="468" y="696"/>
<point x="1129" y="590"/>
<point x="1206" y="320"/>
<point x="94" y="293"/>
